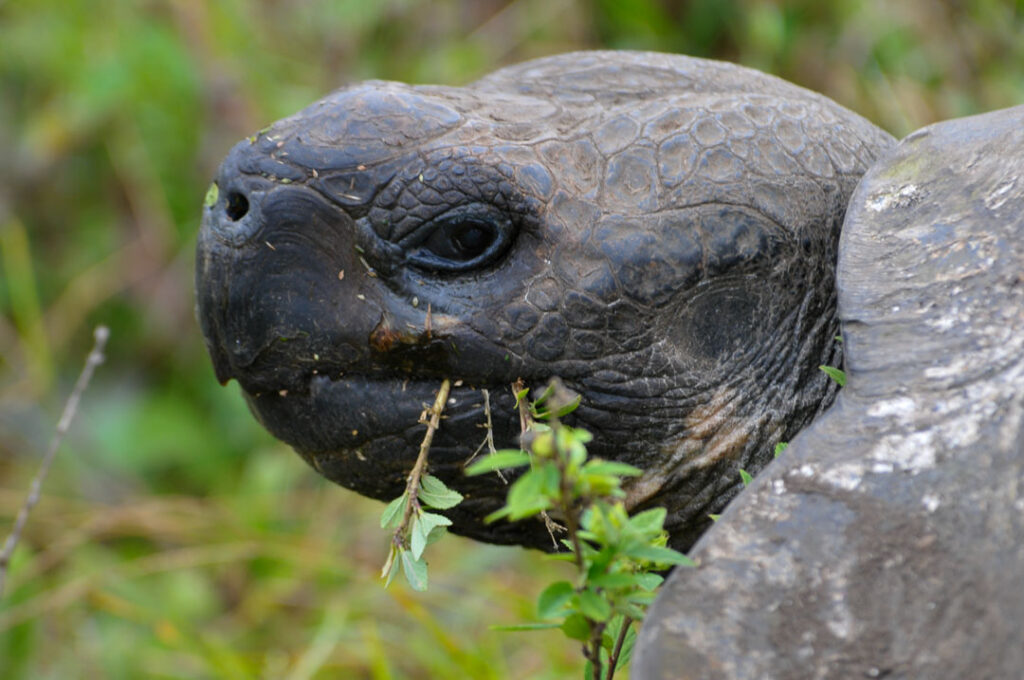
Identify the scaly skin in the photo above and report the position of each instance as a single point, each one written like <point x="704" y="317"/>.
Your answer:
<point x="658" y="231"/>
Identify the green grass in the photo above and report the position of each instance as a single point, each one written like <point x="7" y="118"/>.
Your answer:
<point x="175" y="538"/>
<point x="277" y="577"/>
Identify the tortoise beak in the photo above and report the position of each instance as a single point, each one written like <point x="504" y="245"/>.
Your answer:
<point x="232" y="221"/>
<point x="270" y="301"/>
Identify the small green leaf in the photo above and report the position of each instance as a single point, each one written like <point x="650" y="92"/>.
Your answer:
<point x="580" y="435"/>
<point x="577" y="457"/>
<point x="612" y="630"/>
<point x="553" y="599"/>
<point x="640" y="597"/>
<point x="392" y="514"/>
<point x="545" y="395"/>
<point x="627" y="649"/>
<point x="526" y="496"/>
<point x="780" y="447"/>
<point x="415" y="570"/>
<point x="594" y="607"/>
<point x="212" y="194"/>
<point x="746" y="477"/>
<point x="649" y="581"/>
<point x="520" y="627"/>
<point x="422" y="527"/>
<point x="431" y="521"/>
<point x="600" y="485"/>
<point x="615" y="580"/>
<point x="573" y="441"/>
<point x="570" y="407"/>
<point x="714" y="517"/>
<point x="576" y="627"/>
<point x="836" y="374"/>
<point x="435" y="535"/>
<point x="417" y="539"/>
<point x="632" y="611"/>
<point x="610" y="467"/>
<point x="525" y="510"/>
<point x="500" y="460"/>
<point x="434" y="485"/>
<point x="390" y="566"/>
<point x="649" y="521"/>
<point x="500" y="513"/>
<point x="651" y="553"/>
<point x="550" y="480"/>
<point x="434" y="493"/>
<point x="542" y="443"/>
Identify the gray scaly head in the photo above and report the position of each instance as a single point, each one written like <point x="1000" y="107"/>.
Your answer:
<point x="658" y="231"/>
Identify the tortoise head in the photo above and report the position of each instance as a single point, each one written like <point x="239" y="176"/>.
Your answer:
<point x="658" y="231"/>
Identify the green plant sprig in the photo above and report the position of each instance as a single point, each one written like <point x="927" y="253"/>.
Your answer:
<point x="414" y="527"/>
<point x="614" y="555"/>
<point x="838" y="375"/>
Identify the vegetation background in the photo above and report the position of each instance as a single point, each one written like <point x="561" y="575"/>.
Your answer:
<point x="175" y="539"/>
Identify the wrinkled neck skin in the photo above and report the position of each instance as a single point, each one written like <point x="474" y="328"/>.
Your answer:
<point x="659" y="232"/>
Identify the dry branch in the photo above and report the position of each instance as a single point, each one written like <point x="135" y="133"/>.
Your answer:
<point x="95" y="358"/>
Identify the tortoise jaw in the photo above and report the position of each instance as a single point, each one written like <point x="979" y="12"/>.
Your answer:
<point x="338" y="416"/>
<point x="363" y="433"/>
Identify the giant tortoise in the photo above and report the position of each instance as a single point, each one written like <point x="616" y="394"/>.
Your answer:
<point x="658" y="231"/>
<point x="661" y="232"/>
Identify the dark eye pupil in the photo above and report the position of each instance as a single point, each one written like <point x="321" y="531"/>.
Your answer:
<point x="460" y="243"/>
<point x="469" y="239"/>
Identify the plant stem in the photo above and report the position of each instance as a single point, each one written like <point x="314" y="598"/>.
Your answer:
<point x="613" y="660"/>
<point x="412" y="485"/>
<point x="525" y="421"/>
<point x="95" y="358"/>
<point x="489" y="437"/>
<point x="570" y="515"/>
<point x="595" y="653"/>
<point x="569" y="511"/>
<point x="525" y="424"/>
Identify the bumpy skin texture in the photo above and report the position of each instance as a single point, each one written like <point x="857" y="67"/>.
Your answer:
<point x="888" y="541"/>
<point x="658" y="231"/>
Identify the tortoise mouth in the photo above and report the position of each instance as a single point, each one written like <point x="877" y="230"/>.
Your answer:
<point x="342" y="424"/>
<point x="364" y="433"/>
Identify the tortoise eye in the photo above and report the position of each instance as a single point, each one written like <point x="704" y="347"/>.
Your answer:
<point x="461" y="242"/>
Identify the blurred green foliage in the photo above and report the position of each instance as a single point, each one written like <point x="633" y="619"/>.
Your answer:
<point x="175" y="538"/>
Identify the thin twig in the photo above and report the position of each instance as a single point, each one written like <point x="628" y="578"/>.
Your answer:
<point x="489" y="437"/>
<point x="595" y="655"/>
<point x="490" y="432"/>
<point x="570" y="514"/>
<point x="95" y="358"/>
<point x="613" y="660"/>
<point x="412" y="485"/>
<point x="525" y="421"/>
<point x="525" y="425"/>
<point x="569" y="510"/>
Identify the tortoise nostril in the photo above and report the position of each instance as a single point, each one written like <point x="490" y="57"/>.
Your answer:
<point x="237" y="206"/>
